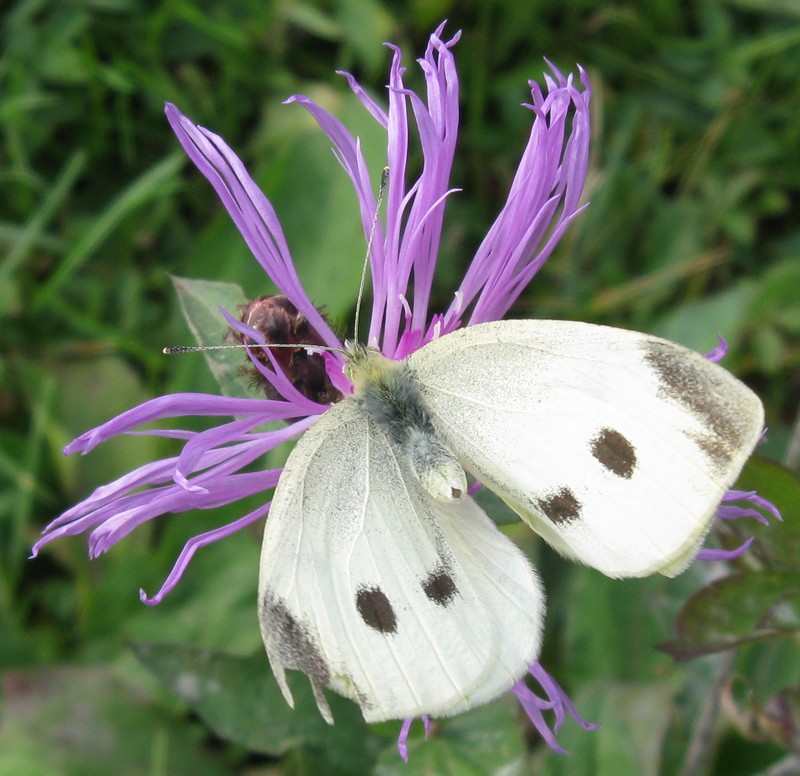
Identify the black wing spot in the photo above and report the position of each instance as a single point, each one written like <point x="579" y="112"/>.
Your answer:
<point x="439" y="587"/>
<point x="614" y="452"/>
<point x="375" y="609"/>
<point x="561" y="507"/>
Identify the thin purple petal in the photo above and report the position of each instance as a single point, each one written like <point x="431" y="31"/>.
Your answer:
<point x="718" y="353"/>
<point x="202" y="443"/>
<point x="194" y="544"/>
<point x="753" y="498"/>
<point x="176" y="499"/>
<point x="374" y="109"/>
<point x="731" y="511"/>
<point x="542" y="202"/>
<point x="250" y="210"/>
<point x="735" y="513"/>
<point x="405" y="729"/>
<point x="178" y="405"/>
<point x="125" y="492"/>
<point x="717" y="555"/>
<point x="402" y="739"/>
<point x="556" y="700"/>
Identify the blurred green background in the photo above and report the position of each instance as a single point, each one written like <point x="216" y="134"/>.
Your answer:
<point x="693" y="230"/>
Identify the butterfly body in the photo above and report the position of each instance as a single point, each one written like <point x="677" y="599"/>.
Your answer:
<point x="390" y="393"/>
<point x="383" y="580"/>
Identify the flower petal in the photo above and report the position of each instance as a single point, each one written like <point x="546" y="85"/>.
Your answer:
<point x="556" y="701"/>
<point x="250" y="210"/>
<point x="194" y="544"/>
<point x="542" y="202"/>
<point x="181" y="404"/>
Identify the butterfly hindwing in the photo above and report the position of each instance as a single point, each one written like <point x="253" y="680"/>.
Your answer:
<point x="371" y="587"/>
<point x="615" y="446"/>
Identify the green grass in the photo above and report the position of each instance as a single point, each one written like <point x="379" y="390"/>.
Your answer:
<point x="692" y="229"/>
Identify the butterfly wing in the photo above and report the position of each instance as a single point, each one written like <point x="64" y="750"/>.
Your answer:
<point x="404" y="604"/>
<point x="615" y="446"/>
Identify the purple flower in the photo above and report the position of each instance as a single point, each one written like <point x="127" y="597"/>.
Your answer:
<point x="544" y="198"/>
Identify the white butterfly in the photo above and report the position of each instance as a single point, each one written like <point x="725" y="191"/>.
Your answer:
<point x="384" y="581"/>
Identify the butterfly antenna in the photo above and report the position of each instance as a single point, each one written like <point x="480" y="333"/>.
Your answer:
<point x="175" y="350"/>
<point x="362" y="284"/>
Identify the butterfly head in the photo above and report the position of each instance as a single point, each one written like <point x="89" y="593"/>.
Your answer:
<point x="367" y="366"/>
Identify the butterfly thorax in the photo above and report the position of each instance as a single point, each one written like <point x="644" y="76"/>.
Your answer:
<point x="391" y="396"/>
<point x="365" y="365"/>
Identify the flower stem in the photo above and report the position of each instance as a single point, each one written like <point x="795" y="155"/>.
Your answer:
<point x="701" y="745"/>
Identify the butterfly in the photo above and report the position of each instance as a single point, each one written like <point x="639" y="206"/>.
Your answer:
<point x="383" y="580"/>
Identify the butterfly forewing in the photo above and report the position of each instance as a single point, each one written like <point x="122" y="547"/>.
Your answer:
<point x="406" y="605"/>
<point x="615" y="446"/>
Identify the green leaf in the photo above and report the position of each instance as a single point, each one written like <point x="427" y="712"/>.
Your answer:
<point x="240" y="701"/>
<point x="200" y="302"/>
<point x="763" y="697"/>
<point x="633" y="723"/>
<point x="485" y="741"/>
<point x="612" y="625"/>
<point x="741" y="608"/>
<point x="764" y="669"/>
<point x="87" y="722"/>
